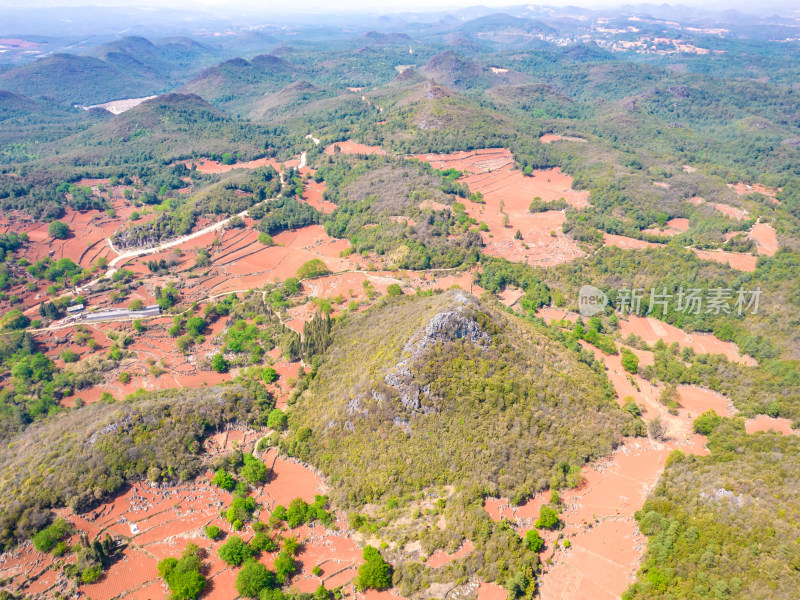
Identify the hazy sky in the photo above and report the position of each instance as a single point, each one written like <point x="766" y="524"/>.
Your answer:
<point x="385" y="6"/>
<point x="374" y="6"/>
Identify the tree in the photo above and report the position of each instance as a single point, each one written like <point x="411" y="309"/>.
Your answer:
<point x="312" y="268"/>
<point x="254" y="470"/>
<point x="253" y="578"/>
<point x="218" y="363"/>
<point x="46" y="539"/>
<point x="269" y="374"/>
<point x="548" y="518"/>
<point x="375" y="573"/>
<point x="297" y="513"/>
<point x="284" y="566"/>
<point x="266" y="239"/>
<point x="195" y="326"/>
<point x="183" y="576"/>
<point x="58" y="230"/>
<point x="137" y="304"/>
<point x="224" y="480"/>
<point x="235" y="551"/>
<point x="277" y="419"/>
<point x="533" y="540"/>
<point x="630" y="362"/>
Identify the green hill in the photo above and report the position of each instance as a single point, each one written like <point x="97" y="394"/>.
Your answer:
<point x="236" y="84"/>
<point x="429" y="391"/>
<point x="128" y="68"/>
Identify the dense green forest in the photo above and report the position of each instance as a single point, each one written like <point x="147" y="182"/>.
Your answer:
<point x="723" y="525"/>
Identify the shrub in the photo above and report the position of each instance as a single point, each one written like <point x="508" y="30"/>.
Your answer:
<point x="533" y="540"/>
<point x="124" y="377"/>
<point x="224" y="480"/>
<point x="68" y="356"/>
<point x="137" y="304"/>
<point x="375" y="573"/>
<point x="213" y="532"/>
<point x="253" y="578"/>
<point x="548" y="518"/>
<point x="235" y="551"/>
<point x="265" y="239"/>
<point x="219" y="364"/>
<point x="316" y="571"/>
<point x="394" y="289"/>
<point x="58" y="230"/>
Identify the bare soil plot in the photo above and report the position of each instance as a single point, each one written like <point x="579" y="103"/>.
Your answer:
<point x="549" y="138"/>
<point x="351" y="147"/>
<point x="765" y="237"/>
<point x="743" y="189"/>
<point x="766" y="423"/>
<point x="212" y="166"/>
<point x="738" y="261"/>
<point x="441" y="558"/>
<point x="626" y="243"/>
<point x="731" y="211"/>
<point x="651" y="330"/>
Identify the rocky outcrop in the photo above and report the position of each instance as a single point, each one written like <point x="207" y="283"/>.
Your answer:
<point x="448" y="326"/>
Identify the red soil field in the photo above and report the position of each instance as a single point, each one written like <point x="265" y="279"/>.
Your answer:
<point x="491" y="172"/>
<point x="731" y="211"/>
<point x="744" y="189"/>
<point x="738" y="261"/>
<point x="765" y="238"/>
<point x="696" y="200"/>
<point x="766" y="423"/>
<point x="351" y="147"/>
<point x="160" y="521"/>
<point x="679" y="223"/>
<point x="549" y="138"/>
<point x="651" y="330"/>
<point x="312" y="195"/>
<point x="510" y="296"/>
<point x="212" y="166"/>
<point x="626" y="243"/>
<point x="694" y="401"/>
<point x="491" y="591"/>
<point x="441" y="558"/>
<point x="674" y="226"/>
<point x="606" y="546"/>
